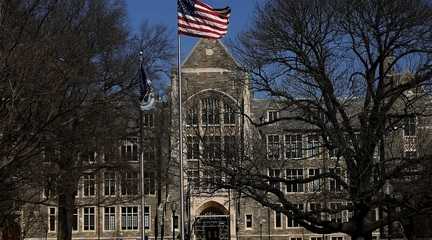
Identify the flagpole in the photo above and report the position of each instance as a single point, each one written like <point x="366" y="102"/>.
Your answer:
<point x="180" y="138"/>
<point x="142" y="163"/>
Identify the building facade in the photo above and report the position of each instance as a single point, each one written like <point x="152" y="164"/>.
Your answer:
<point x="216" y="100"/>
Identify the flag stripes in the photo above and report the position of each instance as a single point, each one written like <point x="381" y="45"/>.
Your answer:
<point x="198" y="19"/>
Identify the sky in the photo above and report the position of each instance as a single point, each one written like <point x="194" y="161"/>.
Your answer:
<point x="165" y="12"/>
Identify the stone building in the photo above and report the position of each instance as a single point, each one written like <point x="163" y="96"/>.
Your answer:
<point x="216" y="99"/>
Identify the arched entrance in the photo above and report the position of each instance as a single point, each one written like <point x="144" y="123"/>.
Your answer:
<point x="212" y="223"/>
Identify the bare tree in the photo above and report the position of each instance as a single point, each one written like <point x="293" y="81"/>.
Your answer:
<point x="68" y="74"/>
<point x="356" y="75"/>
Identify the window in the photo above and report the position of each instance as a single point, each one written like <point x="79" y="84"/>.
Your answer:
<point x="109" y="183"/>
<point x="89" y="185"/>
<point x="147" y="217"/>
<point x="192" y="147"/>
<point x="229" y="114"/>
<point x="89" y="156"/>
<point x="315" y="185"/>
<point x="148" y="120"/>
<point x="409" y="127"/>
<point x="293" y="146"/>
<point x="296" y="238"/>
<point x="316" y="238"/>
<point x="210" y="178"/>
<point x="272" y="116"/>
<point x="129" y="218"/>
<point x="75" y="220"/>
<point x="111" y="154"/>
<point x="278" y="219"/>
<point x="335" y="186"/>
<point x="129" y="150"/>
<point x="248" y="221"/>
<point x="192" y="116"/>
<point x="409" y="155"/>
<point x="350" y="211"/>
<point x="294" y="174"/>
<point x="314" y="146"/>
<point x="194" y="174"/>
<point x="149" y="151"/>
<point x="230" y="148"/>
<point x="373" y="214"/>
<point x="291" y="223"/>
<point x="176" y="222"/>
<point x="336" y="212"/>
<point x="52" y="219"/>
<point x="212" y="147"/>
<point x="337" y="238"/>
<point x="333" y="151"/>
<point x="273" y="146"/>
<point x="129" y="183"/>
<point x="276" y="173"/>
<point x="210" y="111"/>
<point x="149" y="183"/>
<point x="89" y="219"/>
<point x="109" y="219"/>
<point x="50" y="188"/>
<point x="315" y="209"/>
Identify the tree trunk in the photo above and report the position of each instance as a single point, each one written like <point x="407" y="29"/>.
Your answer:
<point x="66" y="201"/>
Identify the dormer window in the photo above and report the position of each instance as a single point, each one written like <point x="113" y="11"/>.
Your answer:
<point x="272" y="115"/>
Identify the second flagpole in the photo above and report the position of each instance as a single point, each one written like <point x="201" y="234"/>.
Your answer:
<point x="180" y="133"/>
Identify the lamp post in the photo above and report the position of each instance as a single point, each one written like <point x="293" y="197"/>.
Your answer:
<point x="173" y="209"/>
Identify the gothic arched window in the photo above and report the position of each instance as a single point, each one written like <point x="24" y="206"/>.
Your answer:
<point x="210" y="111"/>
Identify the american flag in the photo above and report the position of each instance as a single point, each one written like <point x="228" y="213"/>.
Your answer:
<point x="198" y="19"/>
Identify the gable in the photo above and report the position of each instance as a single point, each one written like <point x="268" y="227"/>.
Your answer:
<point x="208" y="53"/>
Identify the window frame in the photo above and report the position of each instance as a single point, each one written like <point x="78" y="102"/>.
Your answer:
<point x="292" y="177"/>
<point x="131" y="214"/>
<point x="273" y="147"/>
<point x="129" y="150"/>
<point x="288" y="220"/>
<point x="89" y="188"/>
<point x="112" y="183"/>
<point x="293" y="146"/>
<point x="55" y="219"/>
<point x="272" y="115"/>
<point x="148" y="120"/>
<point x="275" y="218"/>
<point x="89" y="218"/>
<point x="314" y="145"/>
<point x="251" y="221"/>
<point x="125" y="184"/>
<point x="312" y="185"/>
<point x="409" y="126"/>
<point x="148" y="219"/>
<point x="210" y="111"/>
<point x="110" y="214"/>
<point x="276" y="172"/>
<point x="228" y="113"/>
<point x="75" y="215"/>
<point x="150" y="183"/>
